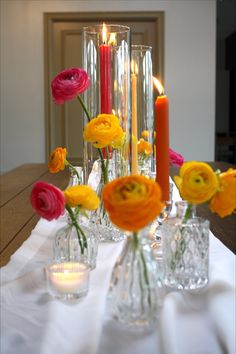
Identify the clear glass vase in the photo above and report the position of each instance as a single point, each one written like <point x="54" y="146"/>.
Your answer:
<point x="99" y="220"/>
<point x="134" y="293"/>
<point x="76" y="176"/>
<point x="186" y="253"/>
<point x="106" y="58"/>
<point x="67" y="248"/>
<point x="142" y="110"/>
<point x="156" y="226"/>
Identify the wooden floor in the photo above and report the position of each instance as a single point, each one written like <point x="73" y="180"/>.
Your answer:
<point x="18" y="218"/>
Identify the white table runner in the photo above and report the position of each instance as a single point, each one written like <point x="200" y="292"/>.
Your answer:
<point x="201" y="322"/>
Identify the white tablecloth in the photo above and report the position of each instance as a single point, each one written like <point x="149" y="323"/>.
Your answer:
<point x="201" y="322"/>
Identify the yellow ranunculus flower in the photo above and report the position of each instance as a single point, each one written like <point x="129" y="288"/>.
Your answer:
<point x="104" y="130"/>
<point x="83" y="196"/>
<point x="197" y="182"/>
<point x="119" y="143"/>
<point x="57" y="160"/>
<point x="224" y="201"/>
<point x="132" y="202"/>
<point x="144" y="147"/>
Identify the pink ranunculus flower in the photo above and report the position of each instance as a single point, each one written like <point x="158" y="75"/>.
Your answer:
<point x="47" y="200"/>
<point x="68" y="84"/>
<point x="176" y="159"/>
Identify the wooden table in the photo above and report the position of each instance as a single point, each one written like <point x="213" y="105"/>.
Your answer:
<point x="18" y="218"/>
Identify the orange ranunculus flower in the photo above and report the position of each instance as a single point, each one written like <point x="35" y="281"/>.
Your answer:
<point x="83" y="196"/>
<point x="224" y="201"/>
<point x="104" y="130"/>
<point x="57" y="160"/>
<point x="132" y="202"/>
<point x="197" y="182"/>
<point x="144" y="147"/>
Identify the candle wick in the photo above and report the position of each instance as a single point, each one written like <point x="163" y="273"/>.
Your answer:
<point x="161" y="94"/>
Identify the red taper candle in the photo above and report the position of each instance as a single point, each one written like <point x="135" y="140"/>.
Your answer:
<point x="105" y="78"/>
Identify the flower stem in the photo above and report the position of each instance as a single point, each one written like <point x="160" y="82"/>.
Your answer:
<point x="103" y="166"/>
<point x="84" y="108"/>
<point x="73" y="169"/>
<point x="83" y="244"/>
<point x="187" y="213"/>
<point x="181" y="246"/>
<point x="145" y="271"/>
<point x="107" y="162"/>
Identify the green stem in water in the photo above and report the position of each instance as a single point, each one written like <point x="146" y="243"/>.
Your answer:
<point x="73" y="169"/>
<point x="79" y="231"/>
<point x="182" y="244"/>
<point x="84" y="108"/>
<point x="107" y="162"/>
<point x="104" y="166"/>
<point x="187" y="213"/>
<point x="145" y="271"/>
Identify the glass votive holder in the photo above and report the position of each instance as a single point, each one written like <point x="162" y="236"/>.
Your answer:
<point x="67" y="281"/>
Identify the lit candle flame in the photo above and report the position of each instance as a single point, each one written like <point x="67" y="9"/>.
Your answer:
<point x="112" y="40"/>
<point x="104" y="33"/>
<point x="158" y="85"/>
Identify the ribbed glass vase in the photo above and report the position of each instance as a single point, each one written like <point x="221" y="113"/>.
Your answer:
<point x="134" y="294"/>
<point x="67" y="248"/>
<point x="186" y="253"/>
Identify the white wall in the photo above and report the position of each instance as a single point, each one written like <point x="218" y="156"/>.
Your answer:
<point x="189" y="73"/>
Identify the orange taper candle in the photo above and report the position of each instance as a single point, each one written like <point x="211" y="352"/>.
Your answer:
<point x="162" y="141"/>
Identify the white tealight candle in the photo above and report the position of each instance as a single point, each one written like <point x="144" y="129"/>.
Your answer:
<point x="68" y="280"/>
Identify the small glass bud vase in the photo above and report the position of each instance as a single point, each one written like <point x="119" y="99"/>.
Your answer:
<point x="67" y="246"/>
<point x="134" y="295"/>
<point x="186" y="253"/>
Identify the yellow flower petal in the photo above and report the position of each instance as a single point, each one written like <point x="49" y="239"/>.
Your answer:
<point x="83" y="196"/>
<point x="197" y="182"/>
<point x="103" y="130"/>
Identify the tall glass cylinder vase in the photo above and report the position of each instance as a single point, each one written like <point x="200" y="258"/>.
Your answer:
<point x="106" y="58"/>
<point x="142" y="110"/>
